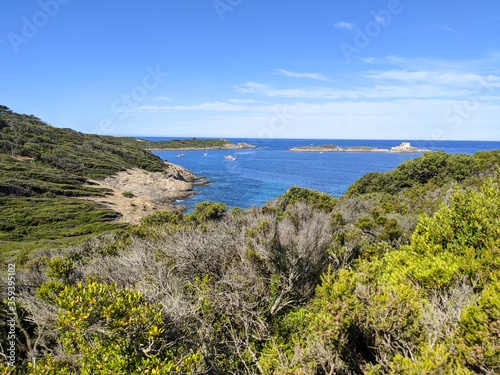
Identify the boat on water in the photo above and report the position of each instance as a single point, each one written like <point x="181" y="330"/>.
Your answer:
<point x="231" y="157"/>
<point x="206" y="152"/>
<point x="180" y="155"/>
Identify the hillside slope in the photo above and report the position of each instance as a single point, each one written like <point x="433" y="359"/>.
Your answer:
<point x="45" y="171"/>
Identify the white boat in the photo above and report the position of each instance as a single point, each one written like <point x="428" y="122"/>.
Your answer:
<point x="180" y="155"/>
<point x="206" y="152"/>
<point x="231" y="157"/>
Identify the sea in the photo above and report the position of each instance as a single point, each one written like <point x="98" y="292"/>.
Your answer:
<point x="266" y="172"/>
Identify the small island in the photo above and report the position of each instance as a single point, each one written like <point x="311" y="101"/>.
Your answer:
<point x="193" y="144"/>
<point x="404" y="147"/>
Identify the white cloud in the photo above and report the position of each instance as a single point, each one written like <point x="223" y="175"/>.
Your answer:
<point x="368" y="60"/>
<point x="240" y="101"/>
<point x="162" y="98"/>
<point x="393" y="59"/>
<point x="303" y="93"/>
<point x="432" y="77"/>
<point x="317" y="76"/>
<point x="374" y="91"/>
<point x="446" y="28"/>
<point x="344" y="25"/>
<point x="205" y="106"/>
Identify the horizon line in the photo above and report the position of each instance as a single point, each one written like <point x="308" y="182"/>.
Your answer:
<point x="296" y="138"/>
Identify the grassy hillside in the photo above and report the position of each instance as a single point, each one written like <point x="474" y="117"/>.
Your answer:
<point x="69" y="151"/>
<point x="42" y="170"/>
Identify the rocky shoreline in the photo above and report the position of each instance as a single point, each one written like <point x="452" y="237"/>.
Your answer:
<point x="136" y="193"/>
<point x="404" y="147"/>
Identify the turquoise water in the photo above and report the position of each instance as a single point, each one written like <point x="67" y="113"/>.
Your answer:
<point x="261" y="174"/>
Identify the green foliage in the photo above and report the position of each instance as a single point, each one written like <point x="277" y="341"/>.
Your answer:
<point x="207" y="211"/>
<point x="189" y="144"/>
<point x="432" y="170"/>
<point x="21" y="179"/>
<point x="109" y="330"/>
<point x="462" y="239"/>
<point x="50" y="290"/>
<point x="33" y="223"/>
<point x="162" y="217"/>
<point x="40" y="165"/>
<point x="375" y="318"/>
<point x="436" y="360"/>
<point x="392" y="324"/>
<point x="70" y="151"/>
<point x="297" y="194"/>
<point x="128" y="194"/>
<point x="326" y="334"/>
<point x="60" y="268"/>
<point x="479" y="331"/>
<point x="428" y="272"/>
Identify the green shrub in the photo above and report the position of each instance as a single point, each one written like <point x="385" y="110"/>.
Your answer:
<point x="162" y="217"/>
<point x="297" y="194"/>
<point x="128" y="194"/>
<point x="207" y="211"/>
<point x="479" y="331"/>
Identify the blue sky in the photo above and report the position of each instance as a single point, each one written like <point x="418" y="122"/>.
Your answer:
<point x="396" y="69"/>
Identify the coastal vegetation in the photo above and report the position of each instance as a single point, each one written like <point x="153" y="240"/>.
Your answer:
<point x="44" y="173"/>
<point x="401" y="275"/>
<point x="191" y="144"/>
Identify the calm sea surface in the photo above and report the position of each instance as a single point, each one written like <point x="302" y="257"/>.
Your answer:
<point x="261" y="174"/>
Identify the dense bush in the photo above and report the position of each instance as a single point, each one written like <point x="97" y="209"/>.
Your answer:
<point x="434" y="169"/>
<point x="297" y="194"/>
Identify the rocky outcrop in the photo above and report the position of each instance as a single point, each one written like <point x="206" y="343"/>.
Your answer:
<point x="162" y="187"/>
<point x="407" y="147"/>
<point x="136" y="193"/>
<point x="403" y="147"/>
<point x="179" y="173"/>
<point x="244" y="145"/>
